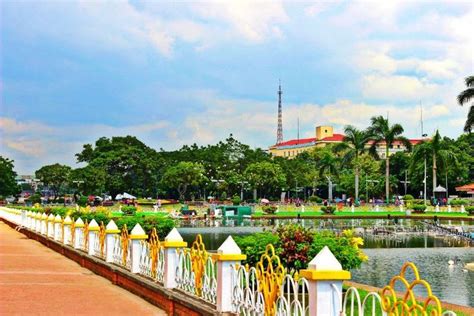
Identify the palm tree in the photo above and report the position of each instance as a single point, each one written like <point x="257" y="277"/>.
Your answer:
<point x="354" y="146"/>
<point x="464" y="97"/>
<point x="436" y="149"/>
<point x="383" y="133"/>
<point x="327" y="162"/>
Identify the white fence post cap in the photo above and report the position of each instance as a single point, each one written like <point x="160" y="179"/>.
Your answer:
<point x="325" y="261"/>
<point x="111" y="225"/>
<point x="229" y="247"/>
<point x="50" y="217"/>
<point x="174" y="235"/>
<point x="79" y="221"/>
<point x="57" y="218"/>
<point x="137" y="230"/>
<point x="93" y="223"/>
<point x="44" y="216"/>
<point x="68" y="220"/>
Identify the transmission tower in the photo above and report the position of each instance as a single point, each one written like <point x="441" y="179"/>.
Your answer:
<point x="280" y="123"/>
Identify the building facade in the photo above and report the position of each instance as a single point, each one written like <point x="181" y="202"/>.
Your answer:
<point x="325" y="135"/>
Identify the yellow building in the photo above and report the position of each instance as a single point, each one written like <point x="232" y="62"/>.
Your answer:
<point x="291" y="148"/>
<point x="325" y="135"/>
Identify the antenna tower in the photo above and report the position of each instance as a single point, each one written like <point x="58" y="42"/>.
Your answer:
<point x="280" y="123"/>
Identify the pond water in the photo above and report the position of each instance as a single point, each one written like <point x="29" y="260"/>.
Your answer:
<point x="448" y="283"/>
<point x="387" y="253"/>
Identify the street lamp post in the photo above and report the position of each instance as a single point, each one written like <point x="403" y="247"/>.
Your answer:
<point x="367" y="187"/>
<point x="405" y="183"/>
<point x="242" y="183"/>
<point x="217" y="181"/>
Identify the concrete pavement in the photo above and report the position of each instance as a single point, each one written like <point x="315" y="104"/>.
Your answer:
<point x="35" y="280"/>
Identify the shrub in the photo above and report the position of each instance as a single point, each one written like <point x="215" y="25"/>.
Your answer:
<point x="269" y="209"/>
<point x="129" y="210"/>
<point x="459" y="202"/>
<point x="295" y="243"/>
<point x="61" y="211"/>
<point x="236" y="200"/>
<point x="407" y="197"/>
<point x="254" y="245"/>
<point x="315" y="199"/>
<point x="35" y="198"/>
<point x="130" y="221"/>
<point x="344" y="247"/>
<point x="59" y="200"/>
<point x="82" y="201"/>
<point x="163" y="225"/>
<point x="419" y="208"/>
<point x="470" y="210"/>
<point x="328" y="209"/>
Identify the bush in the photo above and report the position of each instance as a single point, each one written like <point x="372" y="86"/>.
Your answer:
<point x="328" y="209"/>
<point x="129" y="210"/>
<point x="269" y="209"/>
<point x="163" y="225"/>
<point x="59" y="200"/>
<point x="470" y="210"/>
<point x="315" y="199"/>
<point x="130" y="221"/>
<point x="61" y="211"/>
<point x="295" y="243"/>
<point x="35" y="198"/>
<point x="459" y="202"/>
<point x="344" y="247"/>
<point x="236" y="200"/>
<point x="254" y="245"/>
<point x="82" y="201"/>
<point x="407" y="197"/>
<point x="419" y="208"/>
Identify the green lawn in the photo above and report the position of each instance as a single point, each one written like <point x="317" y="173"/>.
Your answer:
<point x="356" y="213"/>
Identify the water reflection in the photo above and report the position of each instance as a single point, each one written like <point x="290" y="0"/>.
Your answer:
<point x="449" y="283"/>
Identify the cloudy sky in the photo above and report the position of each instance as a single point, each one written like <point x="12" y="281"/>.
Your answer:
<point x="175" y="73"/>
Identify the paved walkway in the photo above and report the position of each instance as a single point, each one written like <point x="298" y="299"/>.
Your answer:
<point x="36" y="280"/>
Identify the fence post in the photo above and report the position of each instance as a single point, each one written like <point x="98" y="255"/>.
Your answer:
<point x="67" y="238"/>
<point x="325" y="276"/>
<point x="23" y="218"/>
<point x="110" y="231"/>
<point x="463" y="210"/>
<point x="173" y="241"/>
<point x="50" y="232"/>
<point x="38" y="222"/>
<point x="79" y="233"/>
<point x="449" y="208"/>
<point x="44" y="224"/>
<point x="136" y="236"/>
<point x="228" y="256"/>
<point x="93" y="229"/>
<point x="57" y="228"/>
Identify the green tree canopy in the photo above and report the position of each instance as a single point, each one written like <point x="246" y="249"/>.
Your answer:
<point x="8" y="185"/>
<point x="183" y="175"/>
<point x="54" y="176"/>
<point x="266" y="177"/>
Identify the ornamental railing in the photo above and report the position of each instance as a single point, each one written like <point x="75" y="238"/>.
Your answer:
<point x="99" y="241"/>
<point x="224" y="284"/>
<point x="122" y="249"/>
<point x="196" y="271"/>
<point x="152" y="262"/>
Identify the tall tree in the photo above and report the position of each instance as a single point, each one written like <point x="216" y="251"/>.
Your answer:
<point x="353" y="147"/>
<point x="54" y="176"/>
<point x="464" y="97"/>
<point x="385" y="134"/>
<point x="435" y="148"/>
<point x="265" y="176"/>
<point x="183" y="175"/>
<point x="8" y="185"/>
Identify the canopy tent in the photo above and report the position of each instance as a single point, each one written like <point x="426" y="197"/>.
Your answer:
<point x="466" y="188"/>
<point x="439" y="189"/>
<point x="125" y="195"/>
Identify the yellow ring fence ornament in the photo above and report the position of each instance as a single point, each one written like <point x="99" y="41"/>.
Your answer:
<point x="408" y="304"/>
<point x="124" y="240"/>
<point x="151" y="257"/>
<point x="73" y="233"/>
<point x="196" y="271"/>
<point x="85" y="236"/>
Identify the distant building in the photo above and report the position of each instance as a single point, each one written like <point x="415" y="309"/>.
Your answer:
<point x="325" y="135"/>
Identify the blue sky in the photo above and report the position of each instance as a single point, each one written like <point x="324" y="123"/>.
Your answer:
<point x="174" y="73"/>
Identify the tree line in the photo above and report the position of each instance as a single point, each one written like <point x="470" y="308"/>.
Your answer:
<point x="125" y="164"/>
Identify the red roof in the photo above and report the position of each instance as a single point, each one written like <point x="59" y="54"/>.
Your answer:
<point x="466" y="187"/>
<point x="333" y="138"/>
<point x="296" y="142"/>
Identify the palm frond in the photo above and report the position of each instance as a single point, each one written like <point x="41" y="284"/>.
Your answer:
<point x="469" y="81"/>
<point x="465" y="96"/>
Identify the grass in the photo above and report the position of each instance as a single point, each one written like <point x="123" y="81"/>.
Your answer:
<point x="366" y="213"/>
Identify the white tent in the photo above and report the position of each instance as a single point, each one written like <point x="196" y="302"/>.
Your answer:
<point x="125" y="195"/>
<point x="439" y="189"/>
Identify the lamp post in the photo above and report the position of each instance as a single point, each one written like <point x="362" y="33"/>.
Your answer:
<point x="405" y="183"/>
<point x="242" y="183"/>
<point x="217" y="181"/>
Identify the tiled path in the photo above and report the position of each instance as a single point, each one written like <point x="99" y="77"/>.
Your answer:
<point x="35" y="280"/>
